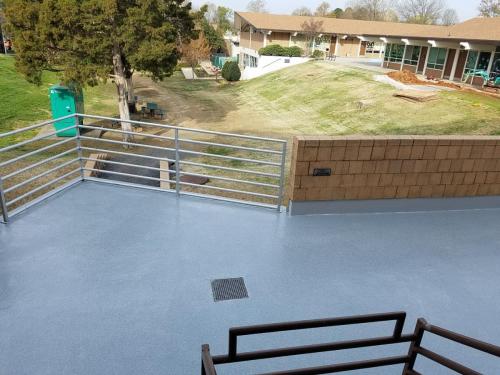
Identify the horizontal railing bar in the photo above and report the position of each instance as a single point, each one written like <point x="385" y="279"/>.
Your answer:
<point x="229" y="179"/>
<point x="39" y="125"/>
<point x="43" y="197"/>
<point x="126" y="132"/>
<point x="464" y="340"/>
<point x="128" y="175"/>
<point x="452" y="365"/>
<point x="181" y="151"/>
<point x="184" y="129"/>
<point x="229" y="169"/>
<point x="24" y="156"/>
<point x="52" y="170"/>
<point x="230" y="200"/>
<point x="35" y="139"/>
<point x="37" y="164"/>
<point x="230" y="190"/>
<point x="41" y="187"/>
<point x="231" y="146"/>
<point x="309" y="349"/>
<point x="229" y="157"/>
<point x="128" y="165"/>
<point x="342" y="367"/>
<point x="126" y="154"/>
<point x="316" y="323"/>
<point x="186" y="193"/>
<point x="126" y="143"/>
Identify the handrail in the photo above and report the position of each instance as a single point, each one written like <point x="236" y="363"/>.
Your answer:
<point x="209" y="362"/>
<point x="261" y="178"/>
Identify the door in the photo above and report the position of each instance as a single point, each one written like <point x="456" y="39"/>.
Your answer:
<point x="421" y="62"/>
<point x="449" y="63"/>
<point x="462" y="59"/>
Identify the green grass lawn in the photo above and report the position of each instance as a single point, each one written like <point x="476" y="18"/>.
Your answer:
<point x="323" y="98"/>
<point x="22" y="103"/>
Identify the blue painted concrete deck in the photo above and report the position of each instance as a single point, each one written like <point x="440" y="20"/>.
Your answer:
<point x="112" y="280"/>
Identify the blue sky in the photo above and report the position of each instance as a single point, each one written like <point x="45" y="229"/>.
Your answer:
<point x="466" y="8"/>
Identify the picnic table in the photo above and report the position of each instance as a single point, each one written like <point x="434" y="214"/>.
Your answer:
<point x="152" y="110"/>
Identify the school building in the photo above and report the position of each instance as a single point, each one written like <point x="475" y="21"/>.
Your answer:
<point x="444" y="52"/>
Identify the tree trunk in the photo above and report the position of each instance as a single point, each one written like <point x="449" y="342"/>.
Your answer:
<point x="121" y="86"/>
<point x="130" y="90"/>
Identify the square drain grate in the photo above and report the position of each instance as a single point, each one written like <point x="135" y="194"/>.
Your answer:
<point x="228" y="289"/>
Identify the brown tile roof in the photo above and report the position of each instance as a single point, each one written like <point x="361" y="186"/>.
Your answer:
<point x="474" y="29"/>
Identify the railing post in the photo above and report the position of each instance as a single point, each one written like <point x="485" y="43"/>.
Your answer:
<point x="177" y="164"/>
<point x="282" y="177"/>
<point x="79" y="146"/>
<point x="3" y="203"/>
<point x="412" y="354"/>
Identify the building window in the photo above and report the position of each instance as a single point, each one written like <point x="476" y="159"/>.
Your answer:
<point x="250" y="61"/>
<point x="394" y="52"/>
<point x="471" y="62"/>
<point x="412" y="55"/>
<point x="437" y="57"/>
<point x="483" y="61"/>
<point x="495" y="68"/>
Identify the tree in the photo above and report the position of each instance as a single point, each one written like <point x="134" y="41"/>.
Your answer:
<point x="489" y="8"/>
<point x="426" y="12"/>
<point x="214" y="37"/>
<point x="337" y="13"/>
<point x="196" y="50"/>
<point x="91" y="41"/>
<point x="323" y="10"/>
<point x="348" y="13"/>
<point x="310" y="29"/>
<point x="449" y="17"/>
<point x="257" y="6"/>
<point x="220" y="17"/>
<point x="371" y="10"/>
<point x="302" y="11"/>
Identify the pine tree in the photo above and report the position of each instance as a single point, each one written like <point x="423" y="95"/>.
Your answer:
<point x="90" y="41"/>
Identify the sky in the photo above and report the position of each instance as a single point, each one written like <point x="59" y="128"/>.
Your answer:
<point x="466" y="8"/>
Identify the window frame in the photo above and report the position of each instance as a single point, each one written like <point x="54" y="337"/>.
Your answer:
<point x="434" y="62"/>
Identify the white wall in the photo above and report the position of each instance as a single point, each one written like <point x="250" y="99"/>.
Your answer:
<point x="269" y="64"/>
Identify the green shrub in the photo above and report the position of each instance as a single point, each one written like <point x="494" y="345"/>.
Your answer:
<point x="231" y="71"/>
<point x="295" y="51"/>
<point x="318" y="54"/>
<point x="277" y="50"/>
<point x="272" y="50"/>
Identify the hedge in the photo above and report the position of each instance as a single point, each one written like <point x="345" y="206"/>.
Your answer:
<point x="277" y="50"/>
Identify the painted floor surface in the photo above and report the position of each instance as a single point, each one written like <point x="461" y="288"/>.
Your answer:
<point x="113" y="280"/>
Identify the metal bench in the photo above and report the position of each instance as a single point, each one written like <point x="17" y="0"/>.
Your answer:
<point x="208" y="361"/>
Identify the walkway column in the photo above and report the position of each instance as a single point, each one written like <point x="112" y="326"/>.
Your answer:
<point x="455" y="62"/>
<point x="403" y="59"/>
<point x="492" y="60"/>
<point x="426" y="60"/>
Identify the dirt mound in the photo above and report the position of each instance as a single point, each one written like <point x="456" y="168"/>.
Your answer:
<point x="407" y="77"/>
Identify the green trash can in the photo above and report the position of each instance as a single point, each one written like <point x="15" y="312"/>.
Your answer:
<point x="65" y="100"/>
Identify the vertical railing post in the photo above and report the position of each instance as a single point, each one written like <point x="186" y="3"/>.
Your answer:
<point x="282" y="177"/>
<point x="3" y="203"/>
<point x="79" y="147"/>
<point x="417" y="340"/>
<point x="177" y="164"/>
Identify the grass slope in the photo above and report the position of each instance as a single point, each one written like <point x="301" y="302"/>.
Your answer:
<point x="324" y="98"/>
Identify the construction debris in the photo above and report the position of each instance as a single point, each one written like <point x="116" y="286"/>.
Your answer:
<point x="416" y="96"/>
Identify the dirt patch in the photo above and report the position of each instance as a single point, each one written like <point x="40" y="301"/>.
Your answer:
<point x="405" y="76"/>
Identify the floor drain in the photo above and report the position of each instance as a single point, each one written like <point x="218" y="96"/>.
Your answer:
<point x="227" y="289"/>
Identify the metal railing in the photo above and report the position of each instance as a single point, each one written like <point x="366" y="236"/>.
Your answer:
<point x="238" y="168"/>
<point x="209" y="362"/>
